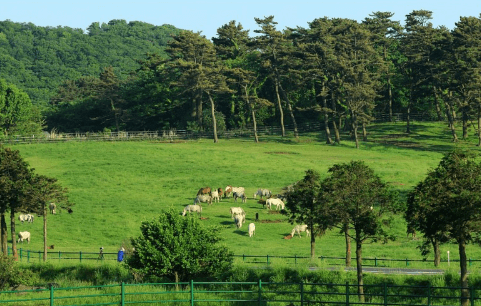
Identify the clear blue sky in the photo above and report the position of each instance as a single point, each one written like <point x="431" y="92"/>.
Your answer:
<point x="208" y="15"/>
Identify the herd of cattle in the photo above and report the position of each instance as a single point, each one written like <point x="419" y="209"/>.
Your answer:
<point x="29" y="219"/>
<point x="208" y="195"/>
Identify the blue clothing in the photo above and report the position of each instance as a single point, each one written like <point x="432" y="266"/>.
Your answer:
<point x="120" y="256"/>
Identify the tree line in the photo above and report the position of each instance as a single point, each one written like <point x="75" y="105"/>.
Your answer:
<point x="336" y="71"/>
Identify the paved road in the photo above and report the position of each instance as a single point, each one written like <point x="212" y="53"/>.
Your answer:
<point x="381" y="270"/>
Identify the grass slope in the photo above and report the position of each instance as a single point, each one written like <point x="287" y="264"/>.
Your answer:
<point x="117" y="185"/>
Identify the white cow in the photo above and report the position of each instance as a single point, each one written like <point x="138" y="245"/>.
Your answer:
<point x="52" y="208"/>
<point x="239" y="219"/>
<point x="192" y="208"/>
<point x="300" y="228"/>
<point x="215" y="195"/>
<point x="237" y="211"/>
<point x="262" y="193"/>
<point x="229" y="189"/>
<point x="252" y="229"/>
<point x="277" y="202"/>
<point x="23" y="236"/>
<point x="203" y="198"/>
<point x="240" y="195"/>
<point x="22" y="218"/>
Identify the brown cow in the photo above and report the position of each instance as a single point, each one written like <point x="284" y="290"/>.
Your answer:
<point x="220" y="191"/>
<point x="204" y="190"/>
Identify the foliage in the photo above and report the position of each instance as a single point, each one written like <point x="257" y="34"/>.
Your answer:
<point x="17" y="115"/>
<point x="179" y="248"/>
<point x="12" y="275"/>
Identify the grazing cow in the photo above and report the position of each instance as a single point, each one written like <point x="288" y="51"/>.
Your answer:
<point x="239" y="219"/>
<point x="300" y="228"/>
<point x="52" y="208"/>
<point x="240" y="195"/>
<point x="252" y="229"/>
<point x="277" y="202"/>
<point x="263" y="193"/>
<point x="204" y="190"/>
<point x="26" y="217"/>
<point x="229" y="189"/>
<point x="220" y="191"/>
<point x="192" y="208"/>
<point x="237" y="211"/>
<point x="215" y="196"/>
<point x="203" y="198"/>
<point x="23" y="236"/>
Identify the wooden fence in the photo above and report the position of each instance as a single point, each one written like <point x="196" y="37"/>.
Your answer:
<point x="176" y="135"/>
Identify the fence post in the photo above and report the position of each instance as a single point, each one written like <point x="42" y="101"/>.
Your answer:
<point x="260" y="292"/>
<point x="295" y="259"/>
<point x="39" y="256"/>
<point x="122" y="294"/>
<point x="471" y="295"/>
<point x="20" y="254"/>
<point x="192" y="292"/>
<point x="51" y="295"/>
<point x="302" y="293"/>
<point x="429" y="294"/>
<point x="28" y="256"/>
<point x="407" y="262"/>
<point x="59" y="255"/>
<point x="470" y="262"/>
<point x="347" y="293"/>
<point x="375" y="261"/>
<point x="243" y="258"/>
<point x="267" y="259"/>
<point x="80" y="256"/>
<point x="385" y="294"/>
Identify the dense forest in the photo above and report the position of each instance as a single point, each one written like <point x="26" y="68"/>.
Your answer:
<point x="340" y="72"/>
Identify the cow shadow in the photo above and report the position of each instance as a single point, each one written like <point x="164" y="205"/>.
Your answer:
<point x="241" y="232"/>
<point x="227" y="222"/>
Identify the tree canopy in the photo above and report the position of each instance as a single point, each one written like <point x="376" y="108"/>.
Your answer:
<point x="178" y="248"/>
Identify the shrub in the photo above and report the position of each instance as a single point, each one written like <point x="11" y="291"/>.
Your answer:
<point x="178" y="248"/>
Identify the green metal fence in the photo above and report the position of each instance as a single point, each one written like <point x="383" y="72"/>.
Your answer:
<point x="37" y="256"/>
<point x="240" y="293"/>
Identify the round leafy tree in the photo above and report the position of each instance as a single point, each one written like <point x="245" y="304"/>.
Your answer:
<point x="178" y="248"/>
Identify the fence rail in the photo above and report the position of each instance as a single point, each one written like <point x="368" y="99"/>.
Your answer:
<point x="37" y="256"/>
<point x="241" y="293"/>
<point x="176" y="135"/>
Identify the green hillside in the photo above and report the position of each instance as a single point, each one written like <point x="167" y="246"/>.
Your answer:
<point x="117" y="185"/>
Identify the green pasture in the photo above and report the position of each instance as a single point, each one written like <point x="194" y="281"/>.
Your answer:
<point x="117" y="185"/>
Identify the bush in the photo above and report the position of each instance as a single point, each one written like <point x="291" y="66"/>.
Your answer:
<point x="178" y="248"/>
<point x="12" y="276"/>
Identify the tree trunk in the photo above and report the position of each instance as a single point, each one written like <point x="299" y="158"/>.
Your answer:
<point x="408" y="111"/>
<point x="4" y="234"/>
<point x="479" y="125"/>
<point x="360" y="283"/>
<point x="465" y="122"/>
<point x="348" y="245"/>
<point x="450" y="115"/>
<point x="289" y="107"/>
<point x="281" y="112"/>
<point x="198" y="108"/>
<point x="464" y="273"/>
<point x="45" y="233"/>
<point x="326" y="119"/>
<point x="364" y="132"/>
<point x="12" y="232"/>
<point x="214" y="122"/>
<point x="254" y="123"/>
<point x="337" y="135"/>
<point x="354" y="129"/>
<point x="313" y="242"/>
<point x="437" y="252"/>
<point x="389" y="92"/>
<point x="436" y="104"/>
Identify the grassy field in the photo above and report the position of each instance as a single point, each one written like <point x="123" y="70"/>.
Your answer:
<point x="117" y="185"/>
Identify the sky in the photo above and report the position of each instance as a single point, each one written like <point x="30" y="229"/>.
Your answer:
<point x="206" y="16"/>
